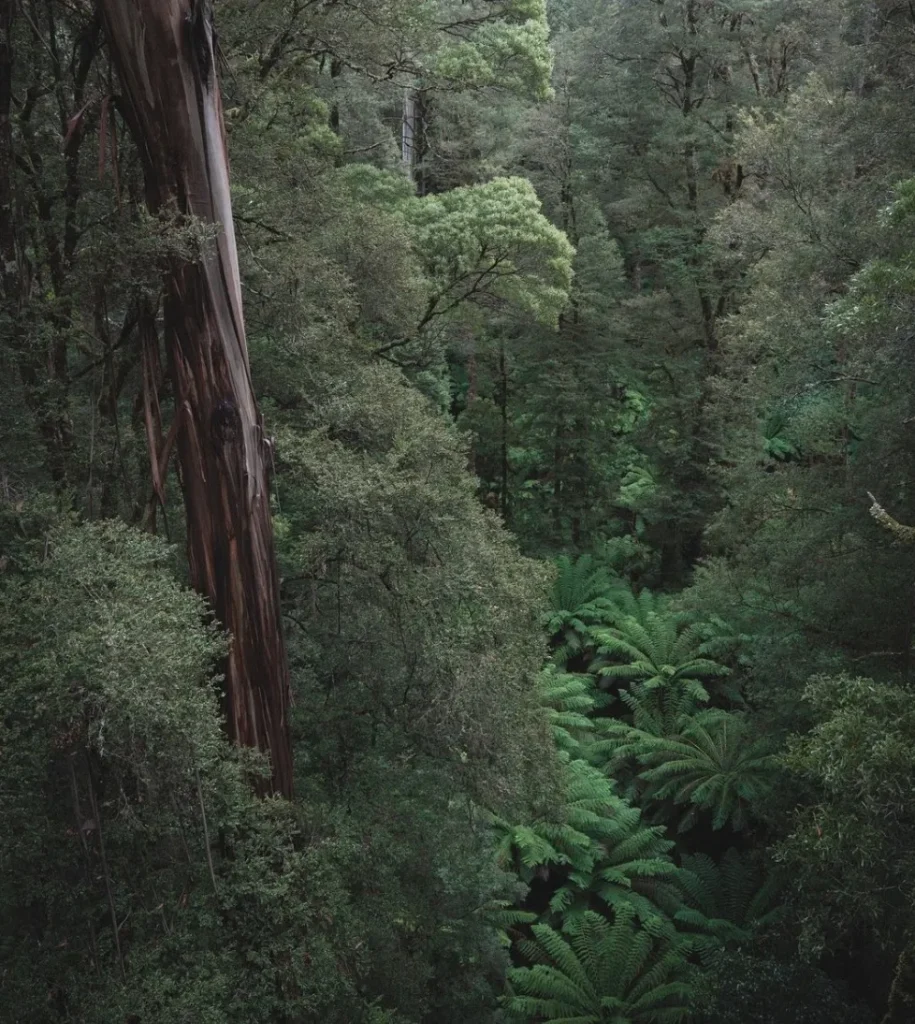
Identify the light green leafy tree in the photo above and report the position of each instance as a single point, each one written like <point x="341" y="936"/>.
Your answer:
<point x="491" y="242"/>
<point x="507" y="46"/>
<point x="482" y="251"/>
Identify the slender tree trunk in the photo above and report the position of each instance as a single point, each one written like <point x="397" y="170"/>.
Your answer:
<point x="558" y="458"/>
<point x="503" y="433"/>
<point x="164" y="54"/>
<point x="413" y="140"/>
<point x="408" y="130"/>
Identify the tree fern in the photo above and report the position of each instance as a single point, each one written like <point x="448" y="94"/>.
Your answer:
<point x="603" y="970"/>
<point x="657" y="713"/>
<point x="635" y="871"/>
<point x="652" y="647"/>
<point x="584" y="595"/>
<point x="568" y="699"/>
<point x="714" y="764"/>
<point x="731" y="901"/>
<point x="506" y="919"/>
<point x="660" y="711"/>
<point x="601" y="847"/>
<point x="574" y="837"/>
<point x="591" y="822"/>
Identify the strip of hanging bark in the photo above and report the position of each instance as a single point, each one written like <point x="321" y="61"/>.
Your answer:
<point x="164" y="54"/>
<point x="103" y="136"/>
<point x="115" y="166"/>
<point x="75" y="126"/>
<point x="157" y="498"/>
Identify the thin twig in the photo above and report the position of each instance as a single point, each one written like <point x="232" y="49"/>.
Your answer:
<point x="206" y="830"/>
<point x="78" y="815"/>
<point x="101" y="846"/>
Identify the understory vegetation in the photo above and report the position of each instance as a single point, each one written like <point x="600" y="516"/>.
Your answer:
<point x="582" y="334"/>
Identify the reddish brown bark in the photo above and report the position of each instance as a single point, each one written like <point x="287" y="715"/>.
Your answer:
<point x="164" y="54"/>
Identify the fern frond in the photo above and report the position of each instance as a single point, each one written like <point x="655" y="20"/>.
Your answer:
<point x="631" y="974"/>
<point x="711" y="763"/>
<point x="731" y="901"/>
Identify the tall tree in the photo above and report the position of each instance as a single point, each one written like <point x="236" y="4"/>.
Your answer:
<point x="164" y="53"/>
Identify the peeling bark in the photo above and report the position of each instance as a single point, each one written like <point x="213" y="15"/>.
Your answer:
<point x="164" y="54"/>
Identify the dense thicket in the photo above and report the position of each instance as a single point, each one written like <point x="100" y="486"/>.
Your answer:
<point x="580" y="335"/>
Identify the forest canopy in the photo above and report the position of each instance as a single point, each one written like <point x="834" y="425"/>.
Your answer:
<point x="457" y="512"/>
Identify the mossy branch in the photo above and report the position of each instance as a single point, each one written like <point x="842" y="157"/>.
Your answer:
<point x="903" y="534"/>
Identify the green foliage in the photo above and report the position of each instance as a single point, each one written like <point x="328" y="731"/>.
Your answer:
<point x="506" y="919"/>
<point x="414" y="634"/>
<point x="448" y="45"/>
<point x="851" y="843"/>
<point x="743" y="988"/>
<point x="776" y="443"/>
<point x="657" y="650"/>
<point x="583" y="583"/>
<point x="298" y="918"/>
<point x="510" y="56"/>
<point x="712" y="762"/>
<point x="602" y="971"/>
<point x="491" y="242"/>
<point x="634" y="872"/>
<point x="410" y="612"/>
<point x="596" y="846"/>
<point x="140" y="874"/>
<point x="655" y="260"/>
<point x="412" y="624"/>
<point x="732" y="900"/>
<point x="582" y="596"/>
<point x="103" y="589"/>
<point x="587" y="820"/>
<point x="568" y="700"/>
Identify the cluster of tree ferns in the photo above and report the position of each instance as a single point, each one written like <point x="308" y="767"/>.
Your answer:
<point x="459" y="566"/>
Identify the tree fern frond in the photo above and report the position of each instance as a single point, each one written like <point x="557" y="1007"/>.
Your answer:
<point x="631" y="670"/>
<point x="583" y="595"/>
<point x="712" y="763"/>
<point x="731" y="901"/>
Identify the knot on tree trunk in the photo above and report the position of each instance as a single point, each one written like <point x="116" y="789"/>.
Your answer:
<point x="225" y="423"/>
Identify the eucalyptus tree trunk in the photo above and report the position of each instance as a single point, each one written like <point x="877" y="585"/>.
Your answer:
<point x="408" y="131"/>
<point x="164" y="54"/>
